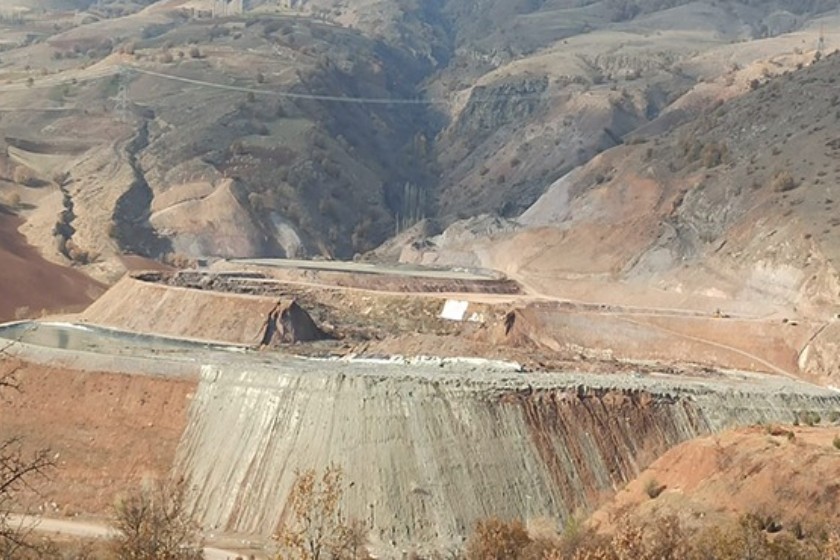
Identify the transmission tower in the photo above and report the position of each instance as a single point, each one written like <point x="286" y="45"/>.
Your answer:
<point x="821" y="40"/>
<point x="121" y="106"/>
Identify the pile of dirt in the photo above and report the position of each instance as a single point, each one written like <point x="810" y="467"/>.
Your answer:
<point x="31" y="285"/>
<point x="429" y="447"/>
<point x="641" y="337"/>
<point x="786" y="474"/>
<point x="235" y="308"/>
<point x="151" y="308"/>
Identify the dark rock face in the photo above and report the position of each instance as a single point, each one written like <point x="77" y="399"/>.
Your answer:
<point x="287" y="324"/>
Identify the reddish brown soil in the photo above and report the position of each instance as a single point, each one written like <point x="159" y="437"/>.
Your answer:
<point x="136" y="263"/>
<point x="107" y="432"/>
<point x="29" y="284"/>
<point x="759" y="470"/>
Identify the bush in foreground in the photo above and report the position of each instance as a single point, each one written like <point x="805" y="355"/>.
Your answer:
<point x="751" y="537"/>
<point x="153" y="524"/>
<point x="317" y="528"/>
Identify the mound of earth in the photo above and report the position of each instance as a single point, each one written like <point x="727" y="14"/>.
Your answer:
<point x="31" y="285"/>
<point x="785" y="474"/>
<point x="106" y="432"/>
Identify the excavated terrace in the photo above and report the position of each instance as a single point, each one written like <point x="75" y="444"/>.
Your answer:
<point x="428" y="446"/>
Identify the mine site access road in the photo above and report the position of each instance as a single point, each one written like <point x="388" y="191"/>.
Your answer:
<point x="531" y="295"/>
<point x="368" y="268"/>
<point x="93" y="530"/>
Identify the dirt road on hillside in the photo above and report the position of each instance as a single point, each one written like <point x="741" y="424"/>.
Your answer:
<point x="94" y="530"/>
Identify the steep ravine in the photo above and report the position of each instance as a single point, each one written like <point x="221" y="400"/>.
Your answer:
<point x="132" y="229"/>
<point x="429" y="449"/>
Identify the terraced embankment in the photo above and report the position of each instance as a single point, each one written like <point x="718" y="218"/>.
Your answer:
<point x="429" y="449"/>
<point x="150" y="307"/>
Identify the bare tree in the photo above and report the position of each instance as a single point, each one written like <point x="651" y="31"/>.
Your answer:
<point x="18" y="470"/>
<point x="153" y="524"/>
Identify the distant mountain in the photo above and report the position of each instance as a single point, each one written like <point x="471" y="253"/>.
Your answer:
<point x="734" y="209"/>
<point x="269" y="132"/>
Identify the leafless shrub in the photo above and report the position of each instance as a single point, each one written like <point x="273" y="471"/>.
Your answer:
<point x="19" y="469"/>
<point x="79" y="255"/>
<point x="653" y="488"/>
<point x="495" y="539"/>
<point x="153" y="524"/>
<point x="666" y="538"/>
<point x="783" y="181"/>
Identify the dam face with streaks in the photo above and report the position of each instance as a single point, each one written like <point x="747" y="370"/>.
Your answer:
<point x="428" y="446"/>
<point x="429" y="449"/>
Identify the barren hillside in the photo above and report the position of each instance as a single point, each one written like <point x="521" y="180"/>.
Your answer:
<point x="783" y="474"/>
<point x="171" y="129"/>
<point x="31" y="285"/>
<point x="730" y="210"/>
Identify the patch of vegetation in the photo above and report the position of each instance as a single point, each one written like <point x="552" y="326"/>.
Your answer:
<point x="783" y="181"/>
<point x="779" y="431"/>
<point x="653" y="488"/>
<point x="317" y="527"/>
<point x="494" y="538"/>
<point x="710" y="154"/>
<point x="660" y="538"/>
<point x="714" y="154"/>
<point x="155" y="30"/>
<point x="809" y="418"/>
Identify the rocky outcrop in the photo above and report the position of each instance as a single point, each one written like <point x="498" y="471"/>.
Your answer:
<point x="429" y="449"/>
<point x="289" y="323"/>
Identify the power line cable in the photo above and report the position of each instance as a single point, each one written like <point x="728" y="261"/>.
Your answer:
<point x="120" y="70"/>
<point x="337" y="98"/>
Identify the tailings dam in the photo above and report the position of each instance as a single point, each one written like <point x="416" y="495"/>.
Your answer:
<point x="428" y="446"/>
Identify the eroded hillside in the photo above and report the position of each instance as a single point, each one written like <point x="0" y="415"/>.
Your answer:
<point x="173" y="129"/>
<point x="773" y="472"/>
<point x="187" y="167"/>
<point x="731" y="210"/>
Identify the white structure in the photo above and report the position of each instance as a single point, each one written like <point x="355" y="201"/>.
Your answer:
<point x="454" y="310"/>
